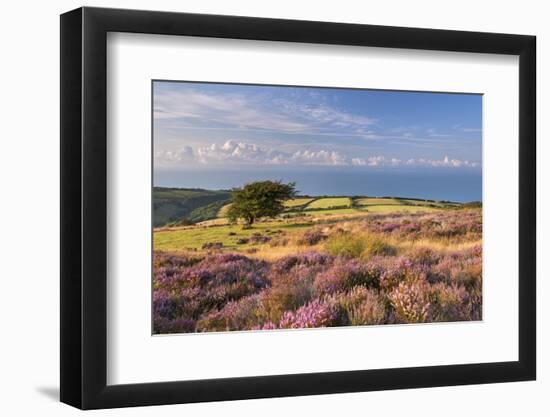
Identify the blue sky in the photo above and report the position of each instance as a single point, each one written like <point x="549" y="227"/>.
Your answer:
<point x="223" y="126"/>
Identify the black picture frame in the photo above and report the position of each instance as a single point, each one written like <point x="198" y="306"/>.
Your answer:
<point x="84" y="207"/>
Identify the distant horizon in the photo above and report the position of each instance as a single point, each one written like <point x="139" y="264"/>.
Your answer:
<point x="426" y="186"/>
<point x="298" y="195"/>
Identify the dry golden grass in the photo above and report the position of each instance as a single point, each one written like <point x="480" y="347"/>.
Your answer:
<point x="222" y="213"/>
<point x="289" y="244"/>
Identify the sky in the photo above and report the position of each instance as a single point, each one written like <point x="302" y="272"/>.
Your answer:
<point x="210" y="127"/>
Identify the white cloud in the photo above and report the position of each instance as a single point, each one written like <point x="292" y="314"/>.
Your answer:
<point x="237" y="152"/>
<point x="225" y="110"/>
<point x="455" y="163"/>
<point x="199" y="109"/>
<point x="395" y="162"/>
<point x="184" y="154"/>
<point x="371" y="161"/>
<point x="233" y="151"/>
<point x="326" y="115"/>
<point x="249" y="153"/>
<point x="321" y="157"/>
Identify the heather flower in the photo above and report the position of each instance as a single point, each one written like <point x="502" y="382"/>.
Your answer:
<point x="288" y="293"/>
<point x="362" y="306"/>
<point x="452" y="303"/>
<point x="285" y="264"/>
<point x="311" y="237"/>
<point x="314" y="314"/>
<point x="346" y="274"/>
<point x="424" y="256"/>
<point x="163" y="325"/>
<point x="363" y="281"/>
<point x="411" y="301"/>
<point x="266" y="326"/>
<point x="235" y="315"/>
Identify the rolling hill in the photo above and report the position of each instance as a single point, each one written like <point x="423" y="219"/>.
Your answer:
<point x="177" y="205"/>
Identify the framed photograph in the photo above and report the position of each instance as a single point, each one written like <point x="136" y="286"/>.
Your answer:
<point x="258" y="208"/>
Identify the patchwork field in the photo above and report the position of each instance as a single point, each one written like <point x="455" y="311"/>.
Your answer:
<point x="330" y="261"/>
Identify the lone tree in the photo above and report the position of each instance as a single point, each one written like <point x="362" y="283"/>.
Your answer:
<point x="259" y="199"/>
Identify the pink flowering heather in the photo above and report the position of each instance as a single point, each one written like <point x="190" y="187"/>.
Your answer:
<point x="266" y="326"/>
<point x="312" y="237"/>
<point x="409" y="268"/>
<point x="309" y="259"/>
<point x="314" y="314"/>
<point x="235" y="315"/>
<point x="346" y="274"/>
<point x="362" y="306"/>
<point x="411" y="301"/>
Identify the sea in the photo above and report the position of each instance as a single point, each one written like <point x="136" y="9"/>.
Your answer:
<point x="458" y="185"/>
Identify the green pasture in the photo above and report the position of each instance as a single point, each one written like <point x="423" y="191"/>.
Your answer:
<point x="297" y="202"/>
<point x="368" y="201"/>
<point x="390" y="208"/>
<point x="326" y="212"/>
<point x="228" y="235"/>
<point x="325" y="203"/>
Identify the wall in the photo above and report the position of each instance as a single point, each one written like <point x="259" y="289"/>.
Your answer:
<point x="29" y="160"/>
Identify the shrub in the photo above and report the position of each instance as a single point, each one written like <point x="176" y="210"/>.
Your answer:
<point x="266" y="326"/>
<point x="314" y="314"/>
<point x="362" y="306"/>
<point x="424" y="256"/>
<point x="411" y="301"/>
<point x="310" y="259"/>
<point x="346" y="274"/>
<point x="289" y="293"/>
<point x="451" y="303"/>
<point x="392" y="270"/>
<point x="311" y="237"/>
<point x="162" y="325"/>
<point x="259" y="238"/>
<point x="348" y="245"/>
<point x="236" y="315"/>
<point x="212" y="245"/>
<point x="469" y="275"/>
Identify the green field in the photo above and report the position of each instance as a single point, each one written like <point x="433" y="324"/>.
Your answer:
<point x="326" y="203"/>
<point x="370" y="201"/>
<point x="389" y="208"/>
<point x="429" y="203"/>
<point x="326" y="212"/>
<point x="297" y="202"/>
<point x="228" y="235"/>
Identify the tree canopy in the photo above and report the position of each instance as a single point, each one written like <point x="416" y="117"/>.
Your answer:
<point x="259" y="199"/>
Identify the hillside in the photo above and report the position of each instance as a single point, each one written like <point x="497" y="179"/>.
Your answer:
<point x="172" y="205"/>
<point x="182" y="206"/>
<point x="302" y="213"/>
